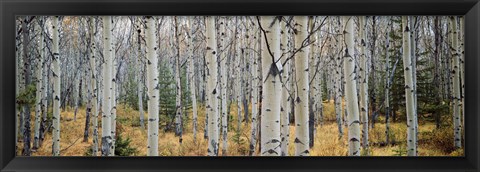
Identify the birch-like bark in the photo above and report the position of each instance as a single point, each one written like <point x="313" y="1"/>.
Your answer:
<point x="56" y="88"/>
<point x="387" y="87"/>
<point x="313" y="89"/>
<point x="212" y="84"/>
<point x="285" y="106"/>
<point x="462" y="66"/>
<point x="27" y="78"/>
<point x="140" y="66"/>
<point x="40" y="88"/>
<point x="191" y="76"/>
<point x="113" y="111"/>
<point x="107" y="86"/>
<point x="337" y="86"/>
<point x="178" y="100"/>
<point x="223" y="81"/>
<point x="363" y="76"/>
<point x="255" y="91"/>
<point x="93" y="85"/>
<point x="270" y="119"/>
<point x="302" y="89"/>
<point x="152" y="86"/>
<point x="456" y="83"/>
<point x="351" y="89"/>
<point x="409" y="90"/>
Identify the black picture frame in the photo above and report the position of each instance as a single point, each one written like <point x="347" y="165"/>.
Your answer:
<point x="10" y="8"/>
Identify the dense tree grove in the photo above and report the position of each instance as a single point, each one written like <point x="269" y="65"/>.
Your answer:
<point x="254" y="85"/>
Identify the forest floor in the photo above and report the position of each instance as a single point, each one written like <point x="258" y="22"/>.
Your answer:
<point x="431" y="141"/>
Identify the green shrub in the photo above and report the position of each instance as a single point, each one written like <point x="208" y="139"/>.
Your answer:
<point x="123" y="148"/>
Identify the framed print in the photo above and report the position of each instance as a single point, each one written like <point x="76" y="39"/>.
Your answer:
<point x="239" y="85"/>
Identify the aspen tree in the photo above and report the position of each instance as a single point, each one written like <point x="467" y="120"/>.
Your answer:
<point x="285" y="106"/>
<point x="27" y="78"/>
<point x="363" y="82"/>
<point x="212" y="84"/>
<point x="301" y="77"/>
<point x="409" y="90"/>
<point x="113" y="111"/>
<point x="313" y="89"/>
<point x="178" y="101"/>
<point x="140" y="66"/>
<point x="152" y="85"/>
<point x="223" y="81"/>
<point x="255" y="91"/>
<point x="351" y="98"/>
<point x="56" y="88"/>
<point x="191" y="76"/>
<point x="462" y="65"/>
<point x="387" y="87"/>
<point x="40" y="88"/>
<point x="456" y="82"/>
<point x="93" y="85"/>
<point x="107" y="85"/>
<point x="270" y="111"/>
<point x="337" y="83"/>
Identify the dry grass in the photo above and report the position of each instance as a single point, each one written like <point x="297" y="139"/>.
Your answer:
<point x="431" y="142"/>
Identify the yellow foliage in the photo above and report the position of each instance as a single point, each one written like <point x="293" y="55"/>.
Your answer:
<point x="431" y="141"/>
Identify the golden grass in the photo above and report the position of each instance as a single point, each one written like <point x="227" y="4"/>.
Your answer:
<point x="431" y="141"/>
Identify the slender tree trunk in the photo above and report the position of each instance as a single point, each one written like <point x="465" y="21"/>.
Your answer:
<point x="270" y="120"/>
<point x="27" y="76"/>
<point x="113" y="111"/>
<point x="363" y="76"/>
<point x="456" y="83"/>
<point x="178" y="102"/>
<point x="409" y="90"/>
<point x="387" y="88"/>
<point x="152" y="85"/>
<point x="56" y="88"/>
<point x="223" y="81"/>
<point x="285" y="106"/>
<point x="93" y="84"/>
<point x="191" y="76"/>
<point x="255" y="92"/>
<point x="337" y="87"/>
<point x="212" y="84"/>
<point x="351" y="89"/>
<point x="302" y="89"/>
<point x="140" y="66"/>
<point x="313" y="89"/>
<point x="462" y="68"/>
<point x="107" y="86"/>
<point x="40" y="88"/>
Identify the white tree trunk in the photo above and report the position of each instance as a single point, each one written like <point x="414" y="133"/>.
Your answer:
<point x="337" y="83"/>
<point x="351" y="89"/>
<point x="462" y="66"/>
<point x="40" y="88"/>
<point x="178" y="100"/>
<point x="302" y="88"/>
<point x="456" y="83"/>
<point x="56" y="88"/>
<point x="285" y="106"/>
<point x="270" y="120"/>
<point x="223" y="81"/>
<point x="255" y="92"/>
<point x="93" y="85"/>
<point x="152" y="85"/>
<point x="212" y="84"/>
<point x="107" y="85"/>
<point x="140" y="73"/>
<point x="409" y="90"/>
<point x="191" y="76"/>
<point x="113" y="118"/>
<point x="363" y="76"/>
